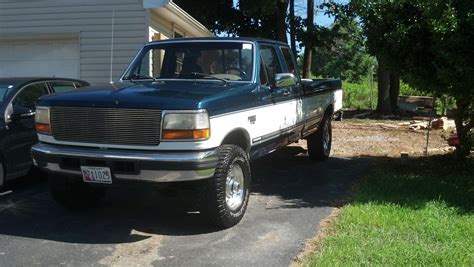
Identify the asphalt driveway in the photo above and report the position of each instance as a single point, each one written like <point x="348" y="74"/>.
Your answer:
<point x="143" y="226"/>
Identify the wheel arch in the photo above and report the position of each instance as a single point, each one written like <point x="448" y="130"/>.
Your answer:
<point x="239" y="137"/>
<point x="329" y="110"/>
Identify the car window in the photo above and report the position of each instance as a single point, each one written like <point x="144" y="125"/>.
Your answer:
<point x="78" y="85"/>
<point x="62" y="86"/>
<point x="28" y="96"/>
<point x="4" y="88"/>
<point x="288" y="60"/>
<point x="270" y="60"/>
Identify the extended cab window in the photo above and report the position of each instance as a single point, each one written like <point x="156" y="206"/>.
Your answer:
<point x="60" y="87"/>
<point x="190" y="60"/>
<point x="28" y="96"/>
<point x="270" y="61"/>
<point x="288" y="60"/>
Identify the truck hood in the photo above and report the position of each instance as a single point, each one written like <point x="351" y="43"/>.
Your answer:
<point x="146" y="95"/>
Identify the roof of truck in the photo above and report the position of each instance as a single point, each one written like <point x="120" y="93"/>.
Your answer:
<point x="248" y="39"/>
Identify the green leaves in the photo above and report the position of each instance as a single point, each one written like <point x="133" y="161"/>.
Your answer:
<point x="430" y="42"/>
<point x="343" y="54"/>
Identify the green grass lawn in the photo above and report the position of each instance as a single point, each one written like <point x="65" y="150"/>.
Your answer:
<point x="421" y="213"/>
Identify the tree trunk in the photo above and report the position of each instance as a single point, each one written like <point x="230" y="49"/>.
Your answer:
<point x="394" y="90"/>
<point x="292" y="27"/>
<point x="462" y="129"/>
<point x="280" y="13"/>
<point x="308" y="49"/>
<point x="383" y="102"/>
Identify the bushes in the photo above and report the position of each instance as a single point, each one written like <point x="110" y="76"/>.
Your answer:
<point x="358" y="95"/>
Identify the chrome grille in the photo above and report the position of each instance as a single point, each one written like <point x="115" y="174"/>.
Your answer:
<point x="139" y="127"/>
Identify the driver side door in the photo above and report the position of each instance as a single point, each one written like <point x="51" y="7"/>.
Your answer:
<point x="21" y="133"/>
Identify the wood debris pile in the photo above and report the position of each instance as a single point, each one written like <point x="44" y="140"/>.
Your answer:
<point x="442" y="123"/>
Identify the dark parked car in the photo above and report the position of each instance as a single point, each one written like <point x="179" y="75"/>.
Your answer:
<point x="18" y="97"/>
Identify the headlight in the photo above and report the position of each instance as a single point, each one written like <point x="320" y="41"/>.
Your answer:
<point x="190" y="125"/>
<point x="42" y="120"/>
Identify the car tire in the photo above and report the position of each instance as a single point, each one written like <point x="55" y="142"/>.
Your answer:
<point x="72" y="193"/>
<point x="224" y="197"/>
<point x="320" y="142"/>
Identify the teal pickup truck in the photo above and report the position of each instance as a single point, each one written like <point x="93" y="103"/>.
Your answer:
<point x="185" y="111"/>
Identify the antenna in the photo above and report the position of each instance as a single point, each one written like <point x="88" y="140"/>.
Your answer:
<point x="112" y="46"/>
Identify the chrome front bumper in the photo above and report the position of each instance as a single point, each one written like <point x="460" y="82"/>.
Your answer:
<point x="148" y="166"/>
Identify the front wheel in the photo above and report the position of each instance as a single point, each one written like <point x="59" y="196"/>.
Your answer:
<point x="320" y="142"/>
<point x="225" y="196"/>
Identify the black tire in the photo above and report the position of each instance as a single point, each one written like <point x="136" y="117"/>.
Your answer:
<point x="216" y="193"/>
<point x="320" y="142"/>
<point x="72" y="193"/>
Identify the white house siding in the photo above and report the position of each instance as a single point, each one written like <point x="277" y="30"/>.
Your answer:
<point x="91" y="20"/>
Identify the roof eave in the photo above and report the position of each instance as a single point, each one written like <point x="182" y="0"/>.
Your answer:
<point x="173" y="10"/>
<point x="188" y="18"/>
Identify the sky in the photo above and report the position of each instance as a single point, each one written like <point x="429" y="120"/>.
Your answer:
<point x="319" y="17"/>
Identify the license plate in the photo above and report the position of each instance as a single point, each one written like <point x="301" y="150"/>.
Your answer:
<point x="101" y="175"/>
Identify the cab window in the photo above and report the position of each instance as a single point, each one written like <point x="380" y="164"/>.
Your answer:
<point x="62" y="86"/>
<point x="263" y="74"/>
<point x="288" y="60"/>
<point x="28" y="96"/>
<point x="270" y="61"/>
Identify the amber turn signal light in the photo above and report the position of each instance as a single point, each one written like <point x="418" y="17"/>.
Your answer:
<point x="43" y="128"/>
<point x="186" y="134"/>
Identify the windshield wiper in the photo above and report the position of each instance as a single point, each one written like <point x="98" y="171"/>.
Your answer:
<point x="204" y="75"/>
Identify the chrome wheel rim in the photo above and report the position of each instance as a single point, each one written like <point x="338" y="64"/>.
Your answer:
<point x="234" y="189"/>
<point x="326" y="137"/>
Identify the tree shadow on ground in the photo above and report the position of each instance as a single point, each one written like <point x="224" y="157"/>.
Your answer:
<point x="300" y="182"/>
<point x="416" y="182"/>
<point x="287" y="177"/>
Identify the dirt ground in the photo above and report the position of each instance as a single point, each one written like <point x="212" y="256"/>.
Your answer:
<point x="384" y="138"/>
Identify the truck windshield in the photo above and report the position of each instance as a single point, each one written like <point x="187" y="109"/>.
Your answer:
<point x="231" y="61"/>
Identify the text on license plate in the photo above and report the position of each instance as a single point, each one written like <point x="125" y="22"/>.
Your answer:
<point x="100" y="175"/>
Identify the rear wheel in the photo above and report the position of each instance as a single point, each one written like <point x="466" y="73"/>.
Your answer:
<point x="73" y="193"/>
<point x="320" y="142"/>
<point x="225" y="196"/>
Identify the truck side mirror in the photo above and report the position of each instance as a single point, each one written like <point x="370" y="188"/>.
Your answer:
<point x="285" y="80"/>
<point x="20" y="112"/>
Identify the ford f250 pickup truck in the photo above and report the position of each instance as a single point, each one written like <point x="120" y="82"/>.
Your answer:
<point x="185" y="110"/>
